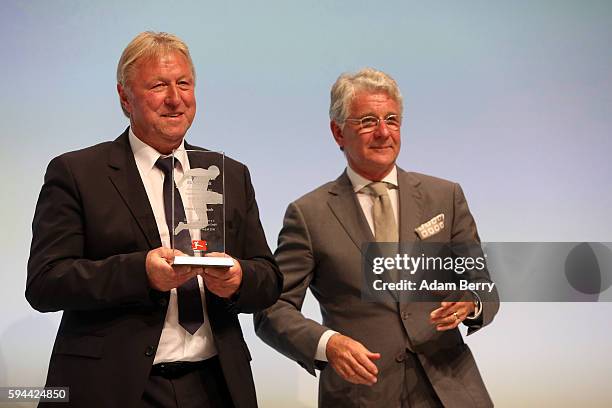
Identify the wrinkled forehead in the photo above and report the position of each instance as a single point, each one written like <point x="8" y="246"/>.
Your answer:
<point x="374" y="101"/>
<point x="154" y="58"/>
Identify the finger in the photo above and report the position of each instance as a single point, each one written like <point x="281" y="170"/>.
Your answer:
<point x="219" y="273"/>
<point x="361" y="374"/>
<point x="442" y="314"/>
<point x="182" y="270"/>
<point x="441" y="311"/>
<point x="444" y="327"/>
<point x="344" y="371"/>
<point x="372" y="356"/>
<point x="449" y="322"/>
<point x="366" y="368"/>
<point x="438" y="315"/>
<point x="220" y="281"/>
<point x="186" y="275"/>
<point x="459" y="311"/>
<point x="444" y="320"/>
<point x="217" y="287"/>
<point x="348" y="373"/>
<point x="164" y="253"/>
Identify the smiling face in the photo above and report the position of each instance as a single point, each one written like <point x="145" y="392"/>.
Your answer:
<point x="159" y="96"/>
<point x="371" y="154"/>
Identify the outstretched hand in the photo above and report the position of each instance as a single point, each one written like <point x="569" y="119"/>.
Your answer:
<point x="351" y="360"/>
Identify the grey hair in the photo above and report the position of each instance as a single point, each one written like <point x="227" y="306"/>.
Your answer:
<point x="348" y="84"/>
<point x="145" y="45"/>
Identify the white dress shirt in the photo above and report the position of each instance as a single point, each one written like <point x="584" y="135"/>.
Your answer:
<point x="175" y="344"/>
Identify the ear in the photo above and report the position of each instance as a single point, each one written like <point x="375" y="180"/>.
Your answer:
<point x="337" y="132"/>
<point x="123" y="98"/>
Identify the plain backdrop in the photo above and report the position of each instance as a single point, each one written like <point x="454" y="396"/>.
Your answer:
<point x="511" y="99"/>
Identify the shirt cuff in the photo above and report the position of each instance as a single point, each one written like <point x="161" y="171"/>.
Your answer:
<point x="478" y="307"/>
<point x="321" y="355"/>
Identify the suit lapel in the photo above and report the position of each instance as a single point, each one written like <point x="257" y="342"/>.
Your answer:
<point x="411" y="205"/>
<point x="125" y="177"/>
<point x="345" y="207"/>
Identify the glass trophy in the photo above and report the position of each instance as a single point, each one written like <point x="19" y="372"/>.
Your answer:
<point x="199" y="223"/>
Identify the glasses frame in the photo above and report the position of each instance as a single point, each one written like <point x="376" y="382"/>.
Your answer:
<point x="369" y="129"/>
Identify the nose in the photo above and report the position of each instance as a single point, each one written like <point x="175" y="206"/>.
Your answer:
<point x="172" y="96"/>
<point x="382" y="130"/>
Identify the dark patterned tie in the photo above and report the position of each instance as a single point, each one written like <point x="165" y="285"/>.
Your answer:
<point x="190" y="313"/>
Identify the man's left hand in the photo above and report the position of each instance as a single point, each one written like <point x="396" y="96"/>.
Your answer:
<point x="223" y="282"/>
<point x="450" y="314"/>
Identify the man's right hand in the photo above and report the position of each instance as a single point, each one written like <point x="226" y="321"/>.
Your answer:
<point x="351" y="360"/>
<point x="160" y="272"/>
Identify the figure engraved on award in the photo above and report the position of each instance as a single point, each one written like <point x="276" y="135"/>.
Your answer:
<point x="201" y="196"/>
<point x="202" y="191"/>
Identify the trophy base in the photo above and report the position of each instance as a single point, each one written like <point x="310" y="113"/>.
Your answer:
<point x="217" y="261"/>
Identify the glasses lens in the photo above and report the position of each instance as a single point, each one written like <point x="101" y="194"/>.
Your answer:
<point x="393" y="122"/>
<point x="369" y="122"/>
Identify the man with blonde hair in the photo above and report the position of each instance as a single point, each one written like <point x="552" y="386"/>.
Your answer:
<point x="136" y="329"/>
<point x="375" y="353"/>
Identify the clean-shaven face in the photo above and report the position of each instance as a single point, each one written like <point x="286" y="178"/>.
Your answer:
<point x="160" y="99"/>
<point x="371" y="154"/>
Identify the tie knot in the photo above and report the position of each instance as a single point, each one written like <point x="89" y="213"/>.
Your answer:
<point x="377" y="189"/>
<point x="164" y="164"/>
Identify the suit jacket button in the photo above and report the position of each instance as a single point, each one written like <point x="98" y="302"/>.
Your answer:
<point x="149" y="351"/>
<point x="400" y="357"/>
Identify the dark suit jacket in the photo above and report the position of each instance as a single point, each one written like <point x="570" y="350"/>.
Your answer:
<point x="320" y="247"/>
<point x="92" y="229"/>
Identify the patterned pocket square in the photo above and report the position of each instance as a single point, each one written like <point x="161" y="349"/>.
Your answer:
<point x="431" y="227"/>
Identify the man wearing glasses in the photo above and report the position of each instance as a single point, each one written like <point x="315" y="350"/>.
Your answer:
<point x="380" y="354"/>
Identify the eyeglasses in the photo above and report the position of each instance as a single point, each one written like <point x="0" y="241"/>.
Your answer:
<point x="370" y="123"/>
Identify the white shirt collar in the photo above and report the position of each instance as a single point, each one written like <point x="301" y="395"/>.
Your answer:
<point x="359" y="182"/>
<point x="146" y="156"/>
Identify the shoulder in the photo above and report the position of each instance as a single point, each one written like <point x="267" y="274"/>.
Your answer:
<point x="426" y="179"/>
<point x="87" y="158"/>
<point x="318" y="196"/>
<point x="230" y="164"/>
<point x="428" y="183"/>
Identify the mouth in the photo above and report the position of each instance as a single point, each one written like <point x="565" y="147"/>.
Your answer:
<point x="172" y="115"/>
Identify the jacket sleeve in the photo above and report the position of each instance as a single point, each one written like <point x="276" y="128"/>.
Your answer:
<point x="262" y="281"/>
<point x="465" y="239"/>
<point x="60" y="277"/>
<point x="283" y="326"/>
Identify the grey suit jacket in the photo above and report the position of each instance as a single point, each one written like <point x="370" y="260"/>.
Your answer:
<point x="320" y="248"/>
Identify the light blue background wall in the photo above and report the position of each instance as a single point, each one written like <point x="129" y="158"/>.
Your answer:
<point x="511" y="99"/>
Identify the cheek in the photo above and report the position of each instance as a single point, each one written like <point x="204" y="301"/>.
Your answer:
<point x="153" y="103"/>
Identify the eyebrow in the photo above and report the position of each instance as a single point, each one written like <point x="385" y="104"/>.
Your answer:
<point x="373" y="114"/>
